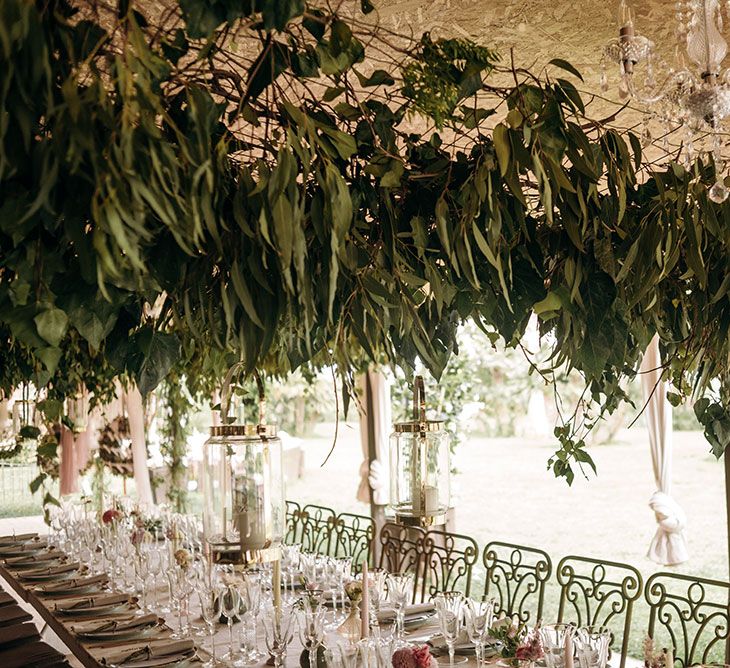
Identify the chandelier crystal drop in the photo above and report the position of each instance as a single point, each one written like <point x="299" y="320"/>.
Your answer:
<point x="695" y="93"/>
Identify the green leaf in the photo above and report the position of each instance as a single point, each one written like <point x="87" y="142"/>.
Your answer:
<point x="50" y="358"/>
<point x="502" y="147"/>
<point x="551" y="303"/>
<point x="161" y="351"/>
<point x="36" y="483"/>
<point x="377" y="78"/>
<point x="565" y="65"/>
<point x="51" y="325"/>
<point x="244" y="294"/>
<point x="366" y="6"/>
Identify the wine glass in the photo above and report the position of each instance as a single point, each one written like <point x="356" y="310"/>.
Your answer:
<point x="279" y="632"/>
<point x="553" y="638"/>
<point x="400" y="593"/>
<point x="210" y="610"/>
<point x="591" y="647"/>
<point x="230" y="607"/>
<point x="378" y="590"/>
<point x="450" y="612"/>
<point x="478" y="616"/>
<point x="311" y="630"/>
<point x="252" y="594"/>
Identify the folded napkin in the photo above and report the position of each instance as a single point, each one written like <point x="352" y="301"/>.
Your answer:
<point x="20" y="538"/>
<point x="51" y="555"/>
<point x="150" y="651"/>
<point x="417" y="610"/>
<point x="51" y="570"/>
<point x="93" y="602"/>
<point x="437" y="641"/>
<point x="73" y="583"/>
<point x="108" y="625"/>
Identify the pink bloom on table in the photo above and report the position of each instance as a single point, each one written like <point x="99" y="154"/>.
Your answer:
<point x="111" y="515"/>
<point x="531" y="649"/>
<point x="403" y="658"/>
<point x="422" y="656"/>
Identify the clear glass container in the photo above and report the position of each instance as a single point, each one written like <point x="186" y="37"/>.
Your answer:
<point x="420" y="467"/>
<point x="244" y="514"/>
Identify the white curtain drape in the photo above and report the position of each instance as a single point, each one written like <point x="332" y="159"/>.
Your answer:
<point x="375" y="415"/>
<point x="135" y="414"/>
<point x="668" y="546"/>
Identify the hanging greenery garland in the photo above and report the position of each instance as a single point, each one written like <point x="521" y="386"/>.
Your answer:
<point x="248" y="184"/>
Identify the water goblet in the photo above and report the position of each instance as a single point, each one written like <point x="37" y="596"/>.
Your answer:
<point x="400" y="593"/>
<point x="591" y="647"/>
<point x="311" y="630"/>
<point x="478" y="616"/>
<point x="553" y="638"/>
<point x="450" y="612"/>
<point x="279" y="632"/>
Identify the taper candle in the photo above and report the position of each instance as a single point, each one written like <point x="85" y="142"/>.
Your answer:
<point x="276" y="586"/>
<point x="568" y="649"/>
<point x="365" y="607"/>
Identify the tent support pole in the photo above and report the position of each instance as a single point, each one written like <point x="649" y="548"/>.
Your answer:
<point x="726" y="458"/>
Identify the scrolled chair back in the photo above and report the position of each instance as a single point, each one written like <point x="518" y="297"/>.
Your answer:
<point x="447" y="560"/>
<point x="601" y="594"/>
<point x="690" y="614"/>
<point x="516" y="576"/>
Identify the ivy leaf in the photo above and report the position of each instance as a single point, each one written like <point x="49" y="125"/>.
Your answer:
<point x="51" y="325"/>
<point x="50" y="358"/>
<point x="565" y="65"/>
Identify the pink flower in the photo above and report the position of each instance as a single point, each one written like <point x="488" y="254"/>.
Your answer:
<point x="423" y="657"/>
<point x="404" y="658"/>
<point x="530" y="649"/>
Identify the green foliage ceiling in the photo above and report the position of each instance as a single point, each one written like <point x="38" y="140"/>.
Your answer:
<point x="185" y="184"/>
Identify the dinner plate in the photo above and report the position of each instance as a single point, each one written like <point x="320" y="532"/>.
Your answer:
<point x="46" y="577"/>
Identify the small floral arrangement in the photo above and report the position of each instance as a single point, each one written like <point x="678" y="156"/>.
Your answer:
<point x="182" y="558"/>
<point x="652" y="659"/>
<point x="413" y="657"/>
<point x="111" y="516"/>
<point x="353" y="590"/>
<point x="311" y="595"/>
<point x="518" y="642"/>
<point x="137" y="536"/>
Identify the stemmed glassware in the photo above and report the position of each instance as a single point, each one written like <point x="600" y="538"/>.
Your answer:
<point x="553" y="638"/>
<point x="290" y="563"/>
<point x="400" y="593"/>
<point x="591" y="647"/>
<point x="311" y="630"/>
<point x="478" y="616"/>
<point x="378" y="590"/>
<point x="230" y="607"/>
<point x="210" y="610"/>
<point x="450" y="612"/>
<point x="279" y="632"/>
<point x="252" y="595"/>
<point x="181" y="588"/>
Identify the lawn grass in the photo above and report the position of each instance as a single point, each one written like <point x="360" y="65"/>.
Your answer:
<point x="504" y="492"/>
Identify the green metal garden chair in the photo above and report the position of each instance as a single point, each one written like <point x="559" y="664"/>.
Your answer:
<point x="690" y="614"/>
<point x="401" y="552"/>
<point x="447" y="560"/>
<point x="599" y="593"/>
<point x="353" y="537"/>
<point x="515" y="578"/>
<point x="293" y="523"/>
<point x="318" y="529"/>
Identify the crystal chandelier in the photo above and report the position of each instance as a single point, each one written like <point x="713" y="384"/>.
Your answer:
<point x="696" y="96"/>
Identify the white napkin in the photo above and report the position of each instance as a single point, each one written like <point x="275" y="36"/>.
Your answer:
<point x="411" y="611"/>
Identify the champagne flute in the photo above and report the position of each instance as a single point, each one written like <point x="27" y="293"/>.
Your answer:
<point x="231" y="606"/>
<point x="210" y="610"/>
